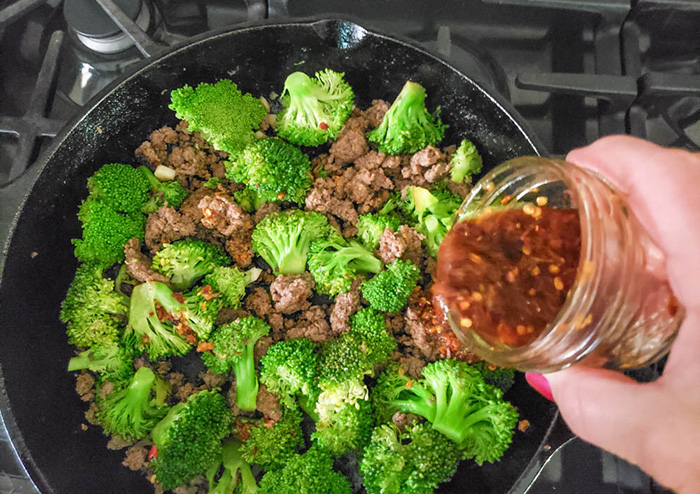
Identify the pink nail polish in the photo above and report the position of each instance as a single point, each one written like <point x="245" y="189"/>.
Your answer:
<point x="540" y="384"/>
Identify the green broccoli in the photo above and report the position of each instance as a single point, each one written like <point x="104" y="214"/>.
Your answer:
<point x="283" y="238"/>
<point x="311" y="472"/>
<point x="347" y="429"/>
<point x="110" y="361"/>
<point x="213" y="183"/>
<point x="201" y="308"/>
<point x="314" y="110"/>
<point x="431" y="213"/>
<point x="271" y="446"/>
<point x="454" y="398"/>
<point x="276" y="170"/>
<point x="289" y="368"/>
<point x="389" y="290"/>
<point x="134" y="407"/>
<point x="335" y="263"/>
<point x="233" y="462"/>
<point x="407" y="127"/>
<point x="371" y="226"/>
<point x="234" y="345"/>
<point x="121" y="187"/>
<point x="501" y="377"/>
<point x="92" y="310"/>
<point x="230" y="282"/>
<point x="188" y="439"/>
<point x="169" y="192"/>
<point x="249" y="199"/>
<point x="465" y="162"/>
<point x="222" y="114"/>
<point x="153" y="316"/>
<point x="345" y="361"/>
<point x="186" y="261"/>
<point x="105" y="232"/>
<point x="415" y="461"/>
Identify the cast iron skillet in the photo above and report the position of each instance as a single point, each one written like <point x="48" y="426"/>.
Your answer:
<point x="39" y="405"/>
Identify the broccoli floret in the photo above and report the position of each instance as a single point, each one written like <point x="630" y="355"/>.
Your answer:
<point x="371" y="226"/>
<point x="454" y="398"/>
<point x="283" y="238"/>
<point x="230" y="282"/>
<point x="276" y="170"/>
<point x="110" y="361"/>
<point x="431" y="213"/>
<point x="345" y="361"/>
<point x="501" y="377"/>
<point x="234" y="345"/>
<point x="223" y="115"/>
<point x="232" y="460"/>
<point x="153" y="313"/>
<point x="314" y="110"/>
<point x="408" y="127"/>
<point x="169" y="192"/>
<point x="121" y="187"/>
<point x="134" y="407"/>
<point x="92" y="310"/>
<point x="186" y="261"/>
<point x="415" y="461"/>
<point x="465" y="162"/>
<point x="335" y="263"/>
<point x="188" y="439"/>
<point x="289" y="368"/>
<point x="249" y="199"/>
<point x="345" y="430"/>
<point x="202" y="306"/>
<point x="311" y="472"/>
<point x="105" y="232"/>
<point x="389" y="290"/>
<point x="271" y="446"/>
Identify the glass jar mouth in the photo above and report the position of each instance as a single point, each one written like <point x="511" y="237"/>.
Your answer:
<point x="540" y="181"/>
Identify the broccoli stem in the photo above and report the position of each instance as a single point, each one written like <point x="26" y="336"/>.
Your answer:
<point x="246" y="381"/>
<point x="292" y="263"/>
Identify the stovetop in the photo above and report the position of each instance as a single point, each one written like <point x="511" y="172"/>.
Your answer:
<point x="575" y="69"/>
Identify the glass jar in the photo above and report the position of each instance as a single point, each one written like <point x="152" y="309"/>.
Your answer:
<point x="620" y="312"/>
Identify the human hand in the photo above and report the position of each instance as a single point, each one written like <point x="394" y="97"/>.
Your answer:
<point x="654" y="425"/>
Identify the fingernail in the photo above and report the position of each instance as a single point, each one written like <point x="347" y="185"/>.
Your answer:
<point x="540" y="384"/>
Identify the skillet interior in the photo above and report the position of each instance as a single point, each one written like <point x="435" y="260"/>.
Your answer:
<point x="39" y="404"/>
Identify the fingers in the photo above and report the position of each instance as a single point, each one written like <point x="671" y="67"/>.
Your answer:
<point x="643" y="423"/>
<point x="661" y="186"/>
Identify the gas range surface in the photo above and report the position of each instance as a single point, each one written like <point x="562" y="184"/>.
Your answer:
<point x="575" y="69"/>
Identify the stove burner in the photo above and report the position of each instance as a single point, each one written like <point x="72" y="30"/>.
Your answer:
<point x="34" y="124"/>
<point x="96" y="29"/>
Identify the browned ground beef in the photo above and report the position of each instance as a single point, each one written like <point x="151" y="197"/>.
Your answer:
<point x="290" y="292"/>
<point x="138" y="265"/>
<point x="167" y="225"/>
<point x="135" y="458"/>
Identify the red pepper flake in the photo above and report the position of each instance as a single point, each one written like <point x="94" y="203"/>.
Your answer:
<point x="153" y="453"/>
<point x="323" y="126"/>
<point x="205" y="346"/>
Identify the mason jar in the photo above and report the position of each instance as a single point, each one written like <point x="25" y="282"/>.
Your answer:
<point x="619" y="311"/>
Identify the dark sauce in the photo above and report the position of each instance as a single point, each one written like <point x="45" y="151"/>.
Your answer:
<point x="507" y="274"/>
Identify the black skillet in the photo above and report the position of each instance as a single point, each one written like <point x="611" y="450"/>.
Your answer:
<point x="39" y="405"/>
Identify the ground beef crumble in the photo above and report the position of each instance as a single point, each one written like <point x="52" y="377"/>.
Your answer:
<point x="290" y="292"/>
<point x="167" y="225"/>
<point x="312" y="324"/>
<point x="138" y="265"/>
